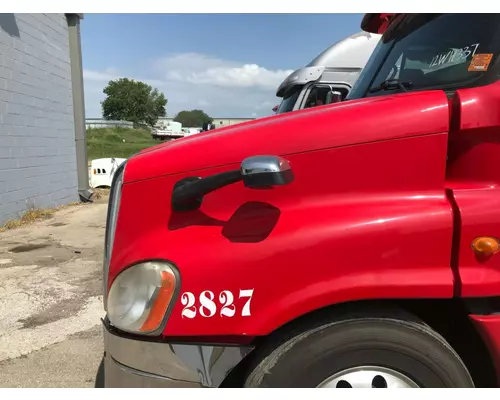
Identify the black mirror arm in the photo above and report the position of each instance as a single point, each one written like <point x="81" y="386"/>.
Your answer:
<point x="189" y="193"/>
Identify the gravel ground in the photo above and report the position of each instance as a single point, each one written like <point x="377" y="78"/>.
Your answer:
<point x="51" y="299"/>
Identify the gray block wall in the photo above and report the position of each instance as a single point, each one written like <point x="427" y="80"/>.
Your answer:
<point x="37" y="134"/>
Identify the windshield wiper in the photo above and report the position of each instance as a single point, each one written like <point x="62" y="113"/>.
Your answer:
<point x="391" y="84"/>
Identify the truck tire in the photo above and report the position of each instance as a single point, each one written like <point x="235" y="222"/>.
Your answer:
<point x="362" y="351"/>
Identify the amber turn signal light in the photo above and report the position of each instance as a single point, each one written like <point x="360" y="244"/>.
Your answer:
<point x="160" y="305"/>
<point x="486" y="245"/>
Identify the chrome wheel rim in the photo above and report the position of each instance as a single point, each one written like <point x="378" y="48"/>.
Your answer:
<point x="368" y="377"/>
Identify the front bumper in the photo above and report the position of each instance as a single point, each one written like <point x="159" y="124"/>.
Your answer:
<point x="136" y="363"/>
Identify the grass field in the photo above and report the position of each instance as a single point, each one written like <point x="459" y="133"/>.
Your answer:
<point x="117" y="142"/>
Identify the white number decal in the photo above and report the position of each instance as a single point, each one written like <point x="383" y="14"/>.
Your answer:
<point x="452" y="55"/>
<point x="207" y="304"/>
<point x="226" y="298"/>
<point x="187" y="300"/>
<point x="246" y="308"/>
<point x="476" y="45"/>
<point x="466" y="52"/>
<point x="208" y="308"/>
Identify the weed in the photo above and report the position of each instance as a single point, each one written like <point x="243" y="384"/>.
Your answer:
<point x="33" y="215"/>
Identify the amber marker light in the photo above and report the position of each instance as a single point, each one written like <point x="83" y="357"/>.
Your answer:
<point x="486" y="245"/>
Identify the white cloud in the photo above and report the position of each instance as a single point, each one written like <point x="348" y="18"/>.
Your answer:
<point x="89" y="75"/>
<point x="192" y="80"/>
<point x="249" y="75"/>
<point x="201" y="69"/>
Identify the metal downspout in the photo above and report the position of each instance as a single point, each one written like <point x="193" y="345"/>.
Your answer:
<point x="75" y="51"/>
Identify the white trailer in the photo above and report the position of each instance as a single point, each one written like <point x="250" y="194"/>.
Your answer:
<point x="168" y="130"/>
<point x="191" y="131"/>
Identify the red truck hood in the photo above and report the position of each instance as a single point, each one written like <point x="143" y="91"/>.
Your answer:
<point x="342" y="124"/>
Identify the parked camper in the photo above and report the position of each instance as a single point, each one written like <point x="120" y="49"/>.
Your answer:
<point x="102" y="171"/>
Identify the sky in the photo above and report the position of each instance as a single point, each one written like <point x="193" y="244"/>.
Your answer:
<point x="228" y="65"/>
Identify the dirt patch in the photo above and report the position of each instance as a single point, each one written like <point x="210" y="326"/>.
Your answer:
<point x="87" y="286"/>
<point x="58" y="224"/>
<point x="99" y="193"/>
<point x="89" y="334"/>
<point x="99" y="226"/>
<point x="24" y="248"/>
<point x="53" y="313"/>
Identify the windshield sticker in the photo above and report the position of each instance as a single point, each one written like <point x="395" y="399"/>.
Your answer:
<point x="454" y="56"/>
<point x="480" y="62"/>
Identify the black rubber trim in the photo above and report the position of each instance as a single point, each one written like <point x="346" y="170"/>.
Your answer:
<point x="482" y="305"/>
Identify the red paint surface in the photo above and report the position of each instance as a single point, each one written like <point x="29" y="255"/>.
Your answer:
<point x="488" y="327"/>
<point x="366" y="217"/>
<point x="376" y="23"/>
<point x="474" y="176"/>
<point x="324" y="127"/>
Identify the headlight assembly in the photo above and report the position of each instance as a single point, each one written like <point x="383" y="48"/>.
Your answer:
<point x="139" y="297"/>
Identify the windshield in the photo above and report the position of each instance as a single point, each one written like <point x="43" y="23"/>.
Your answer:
<point x="431" y="51"/>
<point x="289" y="100"/>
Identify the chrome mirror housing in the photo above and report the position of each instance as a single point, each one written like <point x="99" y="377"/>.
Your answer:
<point x="266" y="171"/>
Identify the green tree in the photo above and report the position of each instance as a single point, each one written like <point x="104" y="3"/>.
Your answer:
<point x="135" y="101"/>
<point x="193" y="118"/>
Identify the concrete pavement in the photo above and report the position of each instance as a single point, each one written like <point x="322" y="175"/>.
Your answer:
<point x="51" y="299"/>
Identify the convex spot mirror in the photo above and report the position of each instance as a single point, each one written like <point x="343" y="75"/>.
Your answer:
<point x="333" y="96"/>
